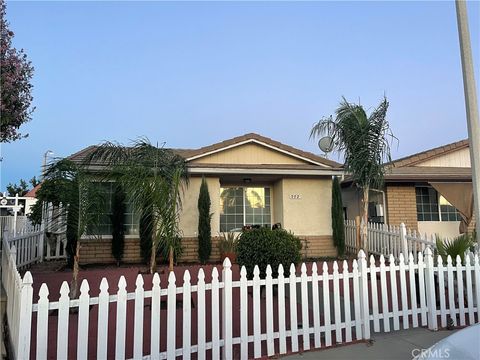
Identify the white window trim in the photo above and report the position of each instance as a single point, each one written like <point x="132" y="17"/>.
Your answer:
<point x="438" y="205"/>
<point x="243" y="187"/>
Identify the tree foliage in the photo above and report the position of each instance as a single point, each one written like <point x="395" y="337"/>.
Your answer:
<point x="149" y="175"/>
<point x="337" y="217"/>
<point x="364" y="141"/>
<point x="204" y="227"/>
<point x="15" y="84"/>
<point x="22" y="187"/>
<point x="117" y="218"/>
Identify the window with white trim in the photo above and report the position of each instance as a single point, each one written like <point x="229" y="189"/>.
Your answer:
<point x="431" y="206"/>
<point x="240" y="206"/>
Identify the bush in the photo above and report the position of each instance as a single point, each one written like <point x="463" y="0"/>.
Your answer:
<point x="146" y="233"/>
<point x="204" y="229"/>
<point x="117" y="218"/>
<point x="338" y="225"/>
<point x="455" y="247"/>
<point x="264" y="247"/>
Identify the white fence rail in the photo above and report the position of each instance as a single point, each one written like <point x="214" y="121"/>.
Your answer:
<point x="22" y="225"/>
<point x="338" y="303"/>
<point x="383" y="239"/>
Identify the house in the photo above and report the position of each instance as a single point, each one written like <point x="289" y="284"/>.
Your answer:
<point x="252" y="180"/>
<point x="421" y="191"/>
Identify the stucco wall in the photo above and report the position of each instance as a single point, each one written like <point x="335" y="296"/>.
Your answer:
<point x="249" y="154"/>
<point x="189" y="215"/>
<point x="311" y="214"/>
<point x="277" y="202"/>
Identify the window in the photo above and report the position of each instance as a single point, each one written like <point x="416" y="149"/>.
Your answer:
<point x="103" y="225"/>
<point x="431" y="206"/>
<point x="241" y="206"/>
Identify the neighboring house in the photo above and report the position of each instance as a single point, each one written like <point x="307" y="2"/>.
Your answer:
<point x="420" y="190"/>
<point x="252" y="180"/>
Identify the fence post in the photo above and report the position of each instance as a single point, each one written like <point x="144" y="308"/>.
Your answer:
<point x="41" y="241"/>
<point x="358" y="244"/>
<point x="430" y="290"/>
<point x="403" y="240"/>
<point x="25" y="321"/>
<point x="365" y="312"/>
<point x="227" y="309"/>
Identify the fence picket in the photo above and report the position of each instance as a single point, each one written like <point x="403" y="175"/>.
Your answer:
<point x="42" y="323"/>
<point x="476" y="267"/>
<point x="121" y="322"/>
<point x="293" y="308"/>
<point x="227" y="306"/>
<point x="451" y="291"/>
<point x="201" y="336"/>
<point x="62" y="327"/>
<point x="373" y="287"/>
<point x="326" y="305"/>
<point x="356" y="301"/>
<point x="346" y="302"/>
<point x="187" y="316"/>
<point x="384" y="295"/>
<point x="468" y="279"/>
<point x="403" y="290"/>
<point x="316" y="306"/>
<point x="336" y="304"/>
<point x="460" y="294"/>
<point x="257" y="333"/>
<point x="281" y="312"/>
<point x="138" y="319"/>
<point x="413" y="289"/>
<point x="171" y="315"/>
<point x="268" y="312"/>
<point x="83" y="321"/>
<point x="305" y="308"/>
<point x="393" y="291"/>
<point x="441" y="290"/>
<point x="155" y="319"/>
<point x="215" y="316"/>
<point x="244" y="312"/>
<point x="421" y="286"/>
<point x="102" y="326"/>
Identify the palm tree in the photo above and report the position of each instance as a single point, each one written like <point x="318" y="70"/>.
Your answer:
<point x="364" y="140"/>
<point x="148" y="175"/>
<point x="77" y="203"/>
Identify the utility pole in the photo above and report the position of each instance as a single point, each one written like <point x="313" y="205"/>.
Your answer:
<point x="471" y="105"/>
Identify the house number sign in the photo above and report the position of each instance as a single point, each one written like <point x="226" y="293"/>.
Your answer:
<point x="295" y="196"/>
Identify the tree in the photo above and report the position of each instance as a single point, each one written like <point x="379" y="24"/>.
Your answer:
<point x="77" y="202"/>
<point x="153" y="176"/>
<point x="338" y="225"/>
<point x="16" y="75"/>
<point x="117" y="219"/>
<point x="364" y="141"/>
<point x="145" y="232"/>
<point x="22" y="188"/>
<point x="204" y="228"/>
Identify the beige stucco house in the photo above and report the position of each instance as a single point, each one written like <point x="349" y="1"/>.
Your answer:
<point x="421" y="191"/>
<point x="252" y="180"/>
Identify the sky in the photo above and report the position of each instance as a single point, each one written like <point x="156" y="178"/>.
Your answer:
<point x="192" y="74"/>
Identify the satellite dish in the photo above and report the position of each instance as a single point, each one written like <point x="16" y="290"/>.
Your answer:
<point x="326" y="144"/>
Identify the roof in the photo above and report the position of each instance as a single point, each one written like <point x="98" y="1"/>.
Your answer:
<point x="33" y="192"/>
<point x="414" y="159"/>
<point x="428" y="173"/>
<point x="192" y="154"/>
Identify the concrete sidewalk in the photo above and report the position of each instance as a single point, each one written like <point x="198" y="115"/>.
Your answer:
<point x="399" y="345"/>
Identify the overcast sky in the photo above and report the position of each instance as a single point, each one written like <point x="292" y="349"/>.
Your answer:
<point x="191" y="74"/>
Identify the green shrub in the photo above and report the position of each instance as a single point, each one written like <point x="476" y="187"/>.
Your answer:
<point x="454" y="247"/>
<point x="264" y="247"/>
<point x="146" y="232"/>
<point x="338" y="225"/>
<point x="204" y="218"/>
<point x="227" y="243"/>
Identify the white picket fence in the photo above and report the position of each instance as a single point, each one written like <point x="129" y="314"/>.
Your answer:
<point x="232" y="318"/>
<point x="22" y="225"/>
<point x="386" y="239"/>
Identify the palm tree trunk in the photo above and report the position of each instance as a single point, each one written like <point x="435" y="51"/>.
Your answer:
<point x="170" y="259"/>
<point x="76" y="268"/>
<point x="364" y="223"/>
<point x="153" y="258"/>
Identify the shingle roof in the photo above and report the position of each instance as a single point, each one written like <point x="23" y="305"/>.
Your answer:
<point x="427" y="173"/>
<point x="251" y="137"/>
<point x="414" y="159"/>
